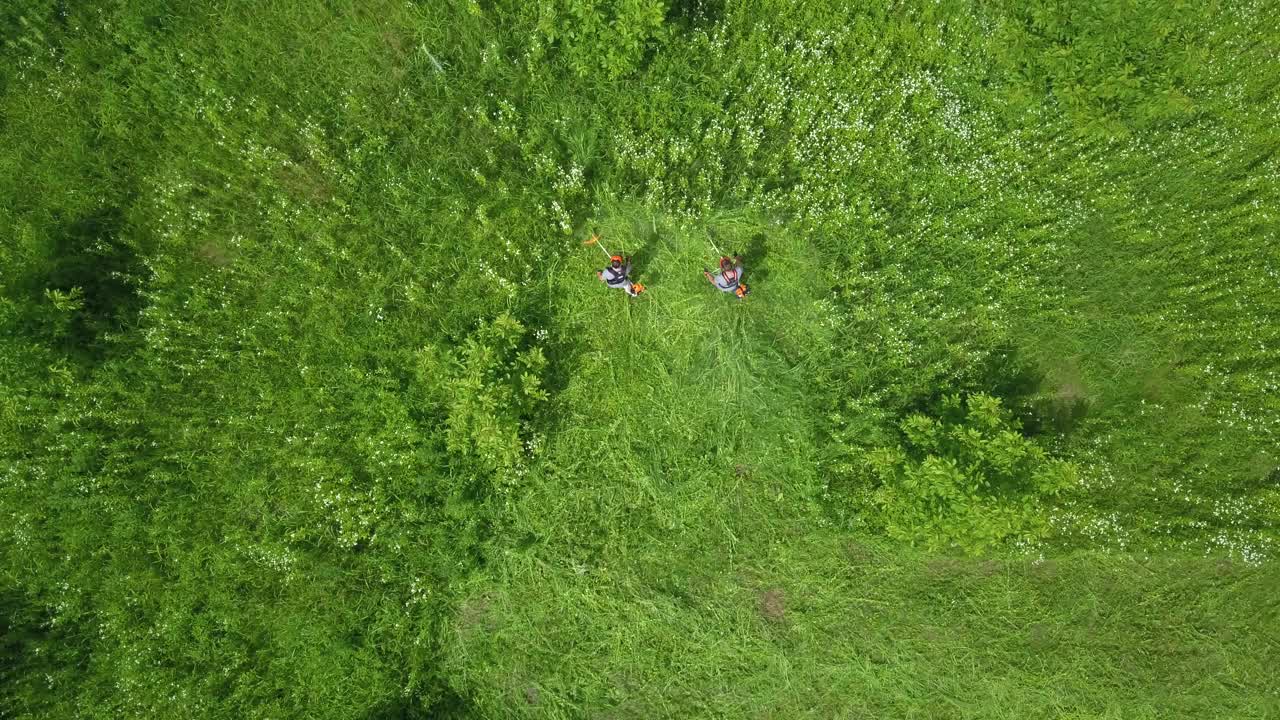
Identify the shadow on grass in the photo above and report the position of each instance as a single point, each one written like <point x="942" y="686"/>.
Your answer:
<point x="642" y="259"/>
<point x="753" y="259"/>
<point x="87" y="257"/>
<point x="1043" y="404"/>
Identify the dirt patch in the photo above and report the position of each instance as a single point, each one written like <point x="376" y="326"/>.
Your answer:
<point x="304" y="181"/>
<point x="858" y="555"/>
<point x="944" y="568"/>
<point x="1161" y="383"/>
<point x="214" y="253"/>
<point x="987" y="568"/>
<point x="1064" y="397"/>
<point x="476" y="614"/>
<point x="1045" y="570"/>
<point x="1265" y="467"/>
<point x="773" y="605"/>
<point x="394" y="42"/>
<point x="396" y="51"/>
<point x="1070" y="402"/>
<point x="1070" y="392"/>
<point x="1039" y="637"/>
<point x="878" y="656"/>
<point x="948" y="570"/>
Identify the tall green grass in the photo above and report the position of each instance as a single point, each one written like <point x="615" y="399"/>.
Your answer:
<point x="313" y="405"/>
<point x="761" y="616"/>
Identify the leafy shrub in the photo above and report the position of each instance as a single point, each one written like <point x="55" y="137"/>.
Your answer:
<point x="493" y="386"/>
<point x="967" y="478"/>
<point x="602" y="37"/>
<point x="1107" y="65"/>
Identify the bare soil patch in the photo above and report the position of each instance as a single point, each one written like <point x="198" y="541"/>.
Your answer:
<point x="773" y="605"/>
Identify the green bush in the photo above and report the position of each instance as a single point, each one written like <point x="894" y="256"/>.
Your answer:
<point x="967" y="478"/>
<point x="1108" y="65"/>
<point x="493" y="386"/>
<point x="602" y="37"/>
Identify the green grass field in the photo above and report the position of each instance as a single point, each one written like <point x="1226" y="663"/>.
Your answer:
<point x="312" y="406"/>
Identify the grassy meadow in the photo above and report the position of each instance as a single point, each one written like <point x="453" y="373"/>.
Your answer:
<point x="312" y="406"/>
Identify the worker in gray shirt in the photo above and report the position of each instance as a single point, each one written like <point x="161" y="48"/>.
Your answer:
<point x="729" y="279"/>
<point x="616" y="275"/>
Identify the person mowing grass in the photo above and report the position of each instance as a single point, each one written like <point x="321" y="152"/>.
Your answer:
<point x="729" y="279"/>
<point x="616" y="275"/>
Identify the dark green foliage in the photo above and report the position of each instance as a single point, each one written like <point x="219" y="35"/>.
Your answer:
<point x="967" y="478"/>
<point x="1115" y="67"/>
<point x="90" y="289"/>
<point x="600" y="38"/>
<point x="492" y="389"/>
